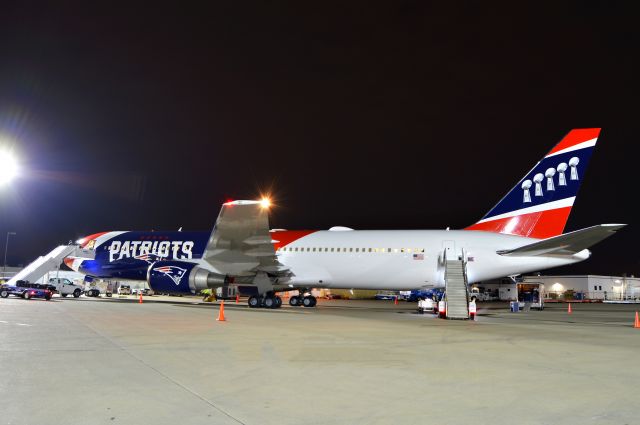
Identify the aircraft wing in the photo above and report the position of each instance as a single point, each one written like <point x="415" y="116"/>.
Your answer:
<point x="566" y="244"/>
<point x="240" y="243"/>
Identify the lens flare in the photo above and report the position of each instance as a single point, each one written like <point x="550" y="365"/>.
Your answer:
<point x="8" y="167"/>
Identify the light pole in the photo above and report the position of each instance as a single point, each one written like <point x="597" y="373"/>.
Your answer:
<point x="6" y="248"/>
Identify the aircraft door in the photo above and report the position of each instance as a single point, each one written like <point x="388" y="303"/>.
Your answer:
<point x="449" y="248"/>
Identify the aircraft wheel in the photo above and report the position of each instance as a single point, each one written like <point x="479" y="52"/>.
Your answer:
<point x="254" y="302"/>
<point x="309" y="301"/>
<point x="294" y="301"/>
<point x="270" y="302"/>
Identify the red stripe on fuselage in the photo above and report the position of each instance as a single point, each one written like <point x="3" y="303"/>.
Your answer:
<point x="539" y="225"/>
<point x="89" y="238"/>
<point x="575" y="137"/>
<point x="285" y="237"/>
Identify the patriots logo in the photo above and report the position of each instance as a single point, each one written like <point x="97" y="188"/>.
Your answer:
<point x="149" y="258"/>
<point x="175" y="273"/>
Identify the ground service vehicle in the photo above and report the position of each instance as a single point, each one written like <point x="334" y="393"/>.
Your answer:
<point x="66" y="287"/>
<point x="92" y="292"/>
<point x="27" y="290"/>
<point x="386" y="295"/>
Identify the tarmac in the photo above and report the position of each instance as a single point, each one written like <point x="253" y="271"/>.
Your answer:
<point x="168" y="361"/>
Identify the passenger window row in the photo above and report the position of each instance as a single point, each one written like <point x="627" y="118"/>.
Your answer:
<point x="373" y="250"/>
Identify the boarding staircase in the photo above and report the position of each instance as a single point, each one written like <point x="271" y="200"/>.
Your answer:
<point x="456" y="287"/>
<point x="45" y="264"/>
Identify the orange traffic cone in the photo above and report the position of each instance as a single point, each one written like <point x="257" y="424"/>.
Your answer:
<point x="221" y="313"/>
<point x="140" y="302"/>
<point x="636" y="324"/>
<point x="569" y="309"/>
<point x="237" y="298"/>
<point x="395" y="300"/>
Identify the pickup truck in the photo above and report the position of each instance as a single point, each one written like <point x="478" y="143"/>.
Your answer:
<point x="481" y="296"/>
<point x="27" y="290"/>
<point x="66" y="287"/>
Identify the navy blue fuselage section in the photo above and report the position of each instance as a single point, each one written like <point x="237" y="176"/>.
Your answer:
<point x="170" y="277"/>
<point x="129" y="255"/>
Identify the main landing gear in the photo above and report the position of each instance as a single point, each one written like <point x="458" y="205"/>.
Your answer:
<point x="269" y="300"/>
<point x="308" y="301"/>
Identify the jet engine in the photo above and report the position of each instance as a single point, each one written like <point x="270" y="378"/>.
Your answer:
<point x="181" y="277"/>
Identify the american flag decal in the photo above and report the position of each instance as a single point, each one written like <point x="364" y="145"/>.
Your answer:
<point x="418" y="256"/>
<point x="175" y="273"/>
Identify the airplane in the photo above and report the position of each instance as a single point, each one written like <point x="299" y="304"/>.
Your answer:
<point x="522" y="233"/>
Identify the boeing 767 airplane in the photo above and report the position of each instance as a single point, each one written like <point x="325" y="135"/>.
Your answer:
<point x="522" y="233"/>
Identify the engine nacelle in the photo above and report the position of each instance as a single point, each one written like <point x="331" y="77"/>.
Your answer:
<point x="181" y="277"/>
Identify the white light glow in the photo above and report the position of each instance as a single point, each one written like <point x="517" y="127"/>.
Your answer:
<point x="265" y="202"/>
<point x="8" y="167"/>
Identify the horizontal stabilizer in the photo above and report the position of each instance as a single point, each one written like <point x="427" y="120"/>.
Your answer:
<point x="568" y="243"/>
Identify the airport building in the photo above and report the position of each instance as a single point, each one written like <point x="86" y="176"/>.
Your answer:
<point x="578" y="287"/>
<point x="592" y="287"/>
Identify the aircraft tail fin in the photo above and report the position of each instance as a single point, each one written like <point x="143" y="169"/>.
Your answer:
<point x="538" y="206"/>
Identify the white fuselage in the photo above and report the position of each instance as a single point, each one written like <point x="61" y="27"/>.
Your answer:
<point x="406" y="259"/>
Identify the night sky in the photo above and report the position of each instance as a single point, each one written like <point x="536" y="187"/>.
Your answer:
<point x="397" y="115"/>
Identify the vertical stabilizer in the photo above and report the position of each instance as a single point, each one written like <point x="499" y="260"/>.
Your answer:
<point x="538" y="206"/>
